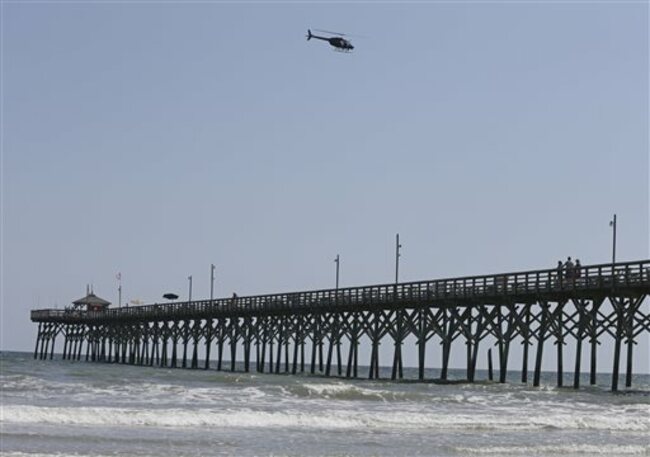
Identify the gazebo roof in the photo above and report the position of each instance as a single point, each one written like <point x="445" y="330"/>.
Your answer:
<point x="91" y="299"/>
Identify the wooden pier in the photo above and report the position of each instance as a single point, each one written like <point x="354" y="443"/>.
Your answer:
<point x="308" y="329"/>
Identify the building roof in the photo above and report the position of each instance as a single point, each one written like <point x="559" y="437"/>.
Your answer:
<point x="92" y="300"/>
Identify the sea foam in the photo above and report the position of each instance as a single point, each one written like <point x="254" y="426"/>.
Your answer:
<point x="568" y="449"/>
<point x="321" y="419"/>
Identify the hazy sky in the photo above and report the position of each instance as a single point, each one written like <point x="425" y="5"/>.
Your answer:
<point x="154" y="139"/>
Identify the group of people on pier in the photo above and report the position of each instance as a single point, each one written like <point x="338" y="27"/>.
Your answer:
<point x="568" y="269"/>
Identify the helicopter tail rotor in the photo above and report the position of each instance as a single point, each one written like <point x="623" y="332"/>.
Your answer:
<point x="309" y="35"/>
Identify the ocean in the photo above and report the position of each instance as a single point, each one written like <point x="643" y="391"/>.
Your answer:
<point x="63" y="408"/>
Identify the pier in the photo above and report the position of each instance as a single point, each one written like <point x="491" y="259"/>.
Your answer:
<point x="320" y="331"/>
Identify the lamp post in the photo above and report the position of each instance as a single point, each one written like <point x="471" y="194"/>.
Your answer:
<point x="338" y="262"/>
<point x="118" y="276"/>
<point x="212" y="267"/>
<point x="397" y="256"/>
<point x="612" y="224"/>
<point x="190" y="280"/>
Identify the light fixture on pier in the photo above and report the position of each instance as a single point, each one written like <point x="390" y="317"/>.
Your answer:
<point x="612" y="224"/>
<point x="212" y="268"/>
<point x="338" y="262"/>
<point x="397" y="256"/>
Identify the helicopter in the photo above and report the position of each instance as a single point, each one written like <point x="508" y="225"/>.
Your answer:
<point x="337" y="42"/>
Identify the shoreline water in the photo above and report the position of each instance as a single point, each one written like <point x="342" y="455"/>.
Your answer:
<point x="90" y="409"/>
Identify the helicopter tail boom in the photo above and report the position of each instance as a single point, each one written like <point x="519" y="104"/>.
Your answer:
<point x="311" y="35"/>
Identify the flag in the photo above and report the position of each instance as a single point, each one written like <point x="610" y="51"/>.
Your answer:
<point x="118" y="276"/>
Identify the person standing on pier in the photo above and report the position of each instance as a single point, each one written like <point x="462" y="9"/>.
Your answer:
<point x="569" y="267"/>
<point x="578" y="268"/>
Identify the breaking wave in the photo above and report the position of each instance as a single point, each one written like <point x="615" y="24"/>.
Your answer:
<point x="339" y="419"/>
<point x="568" y="449"/>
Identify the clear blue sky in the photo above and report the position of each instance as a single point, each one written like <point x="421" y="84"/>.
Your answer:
<point x="156" y="138"/>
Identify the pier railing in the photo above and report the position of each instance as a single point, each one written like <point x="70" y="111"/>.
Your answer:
<point x="521" y="285"/>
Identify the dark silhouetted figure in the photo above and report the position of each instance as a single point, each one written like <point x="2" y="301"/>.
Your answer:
<point x="578" y="268"/>
<point x="569" y="267"/>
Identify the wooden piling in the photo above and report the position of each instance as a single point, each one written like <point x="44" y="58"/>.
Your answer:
<point x="593" y="339"/>
<point x="576" y="371"/>
<point x="262" y="361"/>
<point x="448" y="326"/>
<point x="186" y="338"/>
<point x="422" y="342"/>
<point x="247" y="341"/>
<point x="541" y="336"/>
<point x="353" y="343"/>
<point x="490" y="369"/>
<point x="628" y="370"/>
<point x="629" y="331"/>
<point x="339" y="362"/>
<point x="618" y="305"/>
<point x="330" y="351"/>
<point x="526" y="344"/>
<point x="234" y="336"/>
<point x="208" y="346"/>
<point x="38" y="340"/>
<point x="296" y="347"/>
<point x="560" y="343"/>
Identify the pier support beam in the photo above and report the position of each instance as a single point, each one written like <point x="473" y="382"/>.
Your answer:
<point x="618" y="304"/>
<point x="448" y="326"/>
<point x="580" y="306"/>
<point x="209" y="329"/>
<point x="526" y="343"/>
<point x="422" y="341"/>
<point x="490" y="366"/>
<point x="635" y="304"/>
<point x="186" y="338"/>
<point x="38" y="339"/>
<point x="560" y="342"/>
<point x="234" y="337"/>
<point x="593" y="339"/>
<point x="398" y="338"/>
<point x="541" y="336"/>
